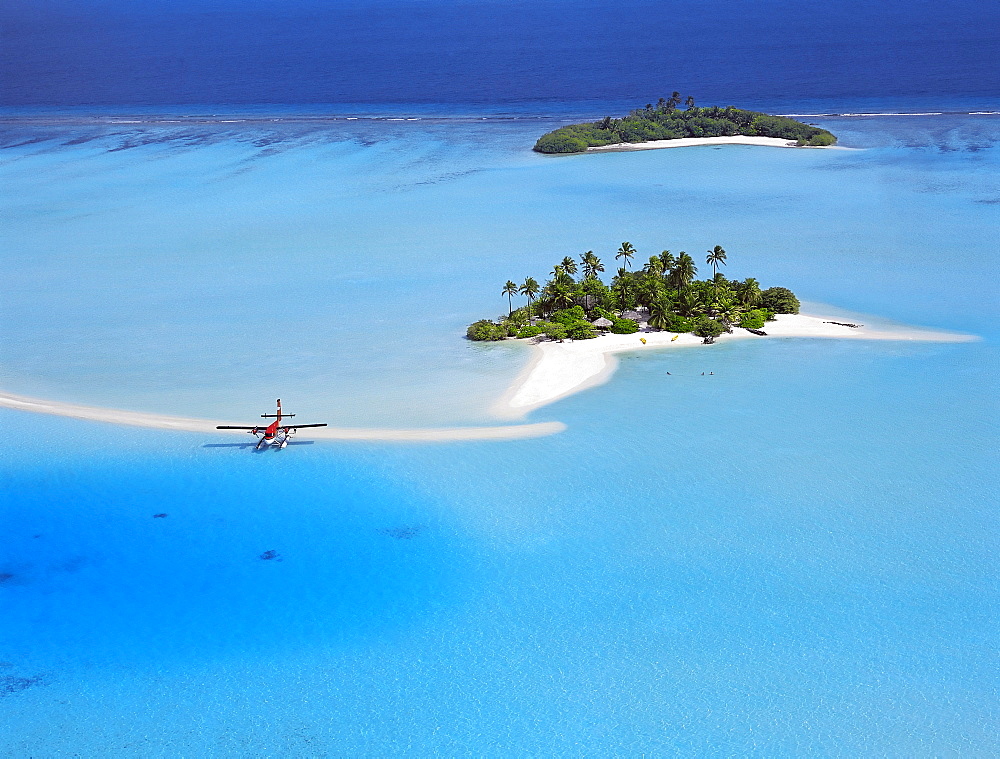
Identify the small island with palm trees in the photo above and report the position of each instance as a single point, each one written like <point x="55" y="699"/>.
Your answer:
<point x="663" y="295"/>
<point x="575" y="323"/>
<point x="666" y="125"/>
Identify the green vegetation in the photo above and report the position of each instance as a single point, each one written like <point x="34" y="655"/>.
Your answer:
<point x="663" y="293"/>
<point x="484" y="329"/>
<point x="755" y="318"/>
<point x="709" y="329"/>
<point x="532" y="330"/>
<point x="780" y="300"/>
<point x="665" y="121"/>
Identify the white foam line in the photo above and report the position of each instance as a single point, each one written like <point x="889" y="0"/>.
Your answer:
<point x="890" y="113"/>
<point x="207" y="426"/>
<point x="882" y="113"/>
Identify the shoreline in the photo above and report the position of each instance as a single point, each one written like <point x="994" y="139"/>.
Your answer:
<point x="690" y="142"/>
<point x="557" y="370"/>
<point x="207" y="426"/>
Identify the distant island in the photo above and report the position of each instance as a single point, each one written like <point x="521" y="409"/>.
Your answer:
<point x="666" y="121"/>
<point x="662" y="295"/>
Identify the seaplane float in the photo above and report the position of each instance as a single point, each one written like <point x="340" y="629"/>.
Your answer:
<point x="275" y="434"/>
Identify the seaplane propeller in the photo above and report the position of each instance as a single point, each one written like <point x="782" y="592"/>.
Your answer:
<point x="275" y="433"/>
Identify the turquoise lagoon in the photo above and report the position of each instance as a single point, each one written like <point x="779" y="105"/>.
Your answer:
<point x="793" y="555"/>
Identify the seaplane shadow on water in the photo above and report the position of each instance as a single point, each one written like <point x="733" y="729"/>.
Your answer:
<point x="252" y="445"/>
<point x="275" y="434"/>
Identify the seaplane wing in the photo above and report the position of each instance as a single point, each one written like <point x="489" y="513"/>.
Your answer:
<point x="275" y="433"/>
<point x="282" y="427"/>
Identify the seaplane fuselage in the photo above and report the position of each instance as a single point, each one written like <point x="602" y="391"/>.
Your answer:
<point x="276" y="433"/>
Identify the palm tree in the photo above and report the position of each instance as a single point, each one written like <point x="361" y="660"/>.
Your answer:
<point x="749" y="293"/>
<point x="684" y="271"/>
<point x="689" y="305"/>
<point x="668" y="261"/>
<point x="621" y="286"/>
<point x="562" y="277"/>
<point x="510" y="290"/>
<point x="659" y="313"/>
<point x="626" y="251"/>
<point x="591" y="265"/>
<point x="716" y="256"/>
<point x="648" y="290"/>
<point x="561" y="293"/>
<point x="689" y="102"/>
<point x="726" y="311"/>
<point x="623" y="292"/>
<point x="530" y="289"/>
<point x="654" y="267"/>
<point x="569" y="265"/>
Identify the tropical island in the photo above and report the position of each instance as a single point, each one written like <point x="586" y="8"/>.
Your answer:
<point x="666" y="121"/>
<point x="661" y="296"/>
<point x="662" y="302"/>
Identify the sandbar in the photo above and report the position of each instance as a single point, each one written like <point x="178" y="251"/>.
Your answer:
<point x="207" y="426"/>
<point x="560" y="369"/>
<point x="555" y="371"/>
<point x="690" y="142"/>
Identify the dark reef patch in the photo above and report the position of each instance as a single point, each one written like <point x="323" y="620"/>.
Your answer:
<point x="9" y="684"/>
<point x="403" y="533"/>
<point x="159" y="516"/>
<point x="270" y="556"/>
<point x="5" y="577"/>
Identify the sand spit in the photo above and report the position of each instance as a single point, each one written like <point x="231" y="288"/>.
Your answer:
<point x="690" y="142"/>
<point x="207" y="426"/>
<point x="555" y="371"/>
<point x="560" y="369"/>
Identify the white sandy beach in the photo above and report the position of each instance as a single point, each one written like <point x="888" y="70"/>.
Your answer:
<point x="207" y="426"/>
<point x="560" y="369"/>
<point x="690" y="142"/>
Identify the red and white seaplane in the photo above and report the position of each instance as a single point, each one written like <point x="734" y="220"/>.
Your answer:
<point x="275" y="433"/>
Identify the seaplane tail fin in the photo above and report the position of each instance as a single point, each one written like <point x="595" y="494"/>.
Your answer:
<point x="279" y="416"/>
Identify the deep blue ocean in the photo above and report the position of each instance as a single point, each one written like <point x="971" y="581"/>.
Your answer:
<point x="748" y="52"/>
<point x="207" y="205"/>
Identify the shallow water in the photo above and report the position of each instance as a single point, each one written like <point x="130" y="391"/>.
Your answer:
<point x="793" y="555"/>
<point x="202" y="269"/>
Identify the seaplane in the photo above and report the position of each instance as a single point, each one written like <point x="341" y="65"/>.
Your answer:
<point x="276" y="433"/>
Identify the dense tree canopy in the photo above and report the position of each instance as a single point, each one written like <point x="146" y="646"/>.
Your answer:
<point x="780" y="300"/>
<point x="664" y="290"/>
